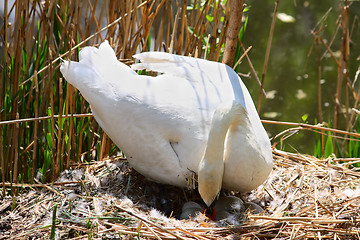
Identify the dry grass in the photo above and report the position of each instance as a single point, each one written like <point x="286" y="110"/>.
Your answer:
<point x="304" y="197"/>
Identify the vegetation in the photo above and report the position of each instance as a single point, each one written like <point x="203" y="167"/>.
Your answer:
<point x="46" y="125"/>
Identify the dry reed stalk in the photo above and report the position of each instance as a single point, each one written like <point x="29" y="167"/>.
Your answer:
<point x="204" y="31"/>
<point x="213" y="36"/>
<point x="37" y="185"/>
<point x="199" y="44"/>
<point x="80" y="140"/>
<point x="2" y="163"/>
<point x="127" y="25"/>
<point x="221" y="38"/>
<point x="28" y="46"/>
<point x="251" y="66"/>
<point x="159" y="29"/>
<point x="152" y="231"/>
<point x="330" y="51"/>
<point x="342" y="67"/>
<point x="304" y="219"/>
<point x="2" y="95"/>
<point x="35" y="119"/>
<point x="55" y="168"/>
<point x="49" y="188"/>
<point x="320" y="112"/>
<point x="181" y="28"/>
<point x="172" y="41"/>
<point x="267" y="54"/>
<point x="345" y="53"/>
<point x="198" y="29"/>
<point x="232" y="34"/>
<point x="168" y="26"/>
<point x="308" y="126"/>
<point x="14" y="75"/>
<point x="69" y="106"/>
<point x="145" y="18"/>
<point x="104" y="146"/>
<point x="242" y="56"/>
<point x="187" y="33"/>
<point x="207" y="45"/>
<point x="196" y="236"/>
<point x="152" y="18"/>
<point x="36" y="124"/>
<point x="16" y="153"/>
<point x="59" y="118"/>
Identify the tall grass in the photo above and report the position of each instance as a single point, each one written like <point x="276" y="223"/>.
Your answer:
<point x="45" y="125"/>
<point x="52" y="132"/>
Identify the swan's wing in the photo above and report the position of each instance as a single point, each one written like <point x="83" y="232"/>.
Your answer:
<point x="192" y="69"/>
<point x="224" y="82"/>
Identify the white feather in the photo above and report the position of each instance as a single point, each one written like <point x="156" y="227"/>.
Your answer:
<point x="162" y="123"/>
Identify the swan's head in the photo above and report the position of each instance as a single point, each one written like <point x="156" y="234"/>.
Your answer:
<point x="210" y="177"/>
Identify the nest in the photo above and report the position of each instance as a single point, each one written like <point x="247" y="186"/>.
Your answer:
<point x="304" y="197"/>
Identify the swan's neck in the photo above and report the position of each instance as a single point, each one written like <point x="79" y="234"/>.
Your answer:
<point x="211" y="167"/>
<point x="215" y="146"/>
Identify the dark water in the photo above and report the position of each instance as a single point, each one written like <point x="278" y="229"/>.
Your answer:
<point x="292" y="72"/>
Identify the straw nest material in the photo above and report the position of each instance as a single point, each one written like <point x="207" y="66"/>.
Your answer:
<point x="304" y="197"/>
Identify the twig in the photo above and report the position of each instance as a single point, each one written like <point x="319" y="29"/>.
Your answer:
<point x="242" y="56"/>
<point x="44" y="118"/>
<point x="49" y="188"/>
<point x="192" y="234"/>
<point x="252" y="67"/>
<point x="305" y="219"/>
<point x="267" y="54"/>
<point x="304" y="125"/>
<point x="151" y="230"/>
<point x="7" y="184"/>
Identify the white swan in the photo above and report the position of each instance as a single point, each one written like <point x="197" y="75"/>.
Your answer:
<point x="195" y="117"/>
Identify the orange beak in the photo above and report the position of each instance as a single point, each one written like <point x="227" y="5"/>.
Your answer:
<point x="210" y="212"/>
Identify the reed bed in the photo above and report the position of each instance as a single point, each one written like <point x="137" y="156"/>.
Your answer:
<point x="42" y="131"/>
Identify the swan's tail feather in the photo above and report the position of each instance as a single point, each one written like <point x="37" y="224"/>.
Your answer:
<point x="98" y="68"/>
<point x="83" y="77"/>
